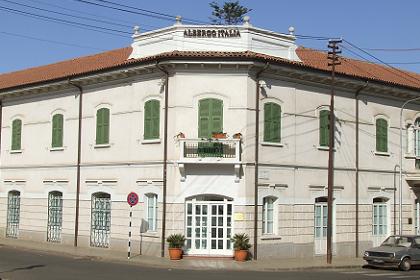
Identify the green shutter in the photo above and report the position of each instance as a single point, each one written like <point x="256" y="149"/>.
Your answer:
<point x="381" y="135"/>
<point x="16" y="134"/>
<point x="57" y="131"/>
<point x="324" y="128"/>
<point x="272" y="122"/>
<point x="102" y="126"/>
<point x="210" y="114"/>
<point x="151" y="119"/>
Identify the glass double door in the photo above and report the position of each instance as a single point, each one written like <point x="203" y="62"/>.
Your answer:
<point x="209" y="228"/>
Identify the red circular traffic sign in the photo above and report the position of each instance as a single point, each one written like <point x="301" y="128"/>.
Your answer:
<point x="132" y="199"/>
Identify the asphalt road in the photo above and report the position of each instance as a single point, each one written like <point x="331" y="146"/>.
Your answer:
<point x="16" y="264"/>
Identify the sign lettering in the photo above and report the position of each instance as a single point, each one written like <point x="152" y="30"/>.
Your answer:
<point x="212" y="33"/>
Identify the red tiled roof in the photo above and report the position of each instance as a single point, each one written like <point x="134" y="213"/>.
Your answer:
<point x="117" y="58"/>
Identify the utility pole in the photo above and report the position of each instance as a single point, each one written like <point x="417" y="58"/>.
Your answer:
<point x="333" y="61"/>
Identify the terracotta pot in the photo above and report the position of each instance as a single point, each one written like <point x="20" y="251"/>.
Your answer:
<point x="181" y="135"/>
<point x="175" y="253"/>
<point x="219" y="135"/>
<point x="241" y="255"/>
<point x="237" y="136"/>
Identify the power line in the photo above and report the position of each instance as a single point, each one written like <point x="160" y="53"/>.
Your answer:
<point x="404" y="73"/>
<point x="171" y="17"/>
<point x="66" y="22"/>
<point x="65" y="14"/>
<point x="392" y="49"/>
<point x="49" y="41"/>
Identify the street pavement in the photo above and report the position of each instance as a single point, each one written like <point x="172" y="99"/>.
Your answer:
<point x="20" y="263"/>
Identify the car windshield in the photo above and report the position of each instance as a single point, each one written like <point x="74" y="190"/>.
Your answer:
<point x="400" y="241"/>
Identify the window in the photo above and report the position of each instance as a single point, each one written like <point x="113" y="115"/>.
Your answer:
<point x="380" y="217"/>
<point x="151" y="201"/>
<point x="151" y="119"/>
<point x="381" y="135"/>
<point x="13" y="214"/>
<point x="16" y="134"/>
<point x="100" y="231"/>
<point x="210" y="115"/>
<point x="417" y="137"/>
<point x="102" y="126"/>
<point x="57" y="131"/>
<point x="324" y="131"/>
<point x="55" y="216"/>
<point x="268" y="215"/>
<point x="272" y="122"/>
<point x="321" y="217"/>
<point x="416" y="217"/>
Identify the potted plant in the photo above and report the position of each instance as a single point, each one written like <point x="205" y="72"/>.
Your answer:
<point x="180" y="135"/>
<point x="219" y="135"/>
<point x="241" y="246"/>
<point x="237" y="135"/>
<point x="176" y="242"/>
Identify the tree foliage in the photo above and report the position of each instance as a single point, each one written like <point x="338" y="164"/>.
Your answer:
<point x="230" y="13"/>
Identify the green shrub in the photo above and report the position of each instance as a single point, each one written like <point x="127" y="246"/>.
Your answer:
<point x="176" y="240"/>
<point x="241" y="241"/>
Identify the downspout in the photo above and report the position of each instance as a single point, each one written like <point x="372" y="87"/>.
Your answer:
<point x="357" y="165"/>
<point x="165" y="159"/>
<point x="257" y="135"/>
<point x="79" y="155"/>
<point x="395" y="197"/>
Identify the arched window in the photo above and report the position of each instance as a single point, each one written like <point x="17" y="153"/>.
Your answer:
<point x="55" y="216"/>
<point x="210" y="115"/>
<point x="380" y="217"/>
<point x="324" y="131"/>
<point x="13" y="214"/>
<point x="417" y="137"/>
<point x="57" y="131"/>
<point x="381" y="135"/>
<point x="151" y="119"/>
<point x="102" y="126"/>
<point x="100" y="220"/>
<point x="272" y="122"/>
<point x="268" y="219"/>
<point x="16" y="135"/>
<point x="151" y="204"/>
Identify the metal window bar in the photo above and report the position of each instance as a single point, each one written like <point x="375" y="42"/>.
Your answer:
<point x="55" y="216"/>
<point x="101" y="221"/>
<point x="13" y="215"/>
<point x="209" y="149"/>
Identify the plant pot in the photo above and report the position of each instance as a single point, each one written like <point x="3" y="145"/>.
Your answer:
<point x="219" y="135"/>
<point x="180" y="135"/>
<point x="241" y="255"/>
<point x="175" y="253"/>
<point x="237" y="136"/>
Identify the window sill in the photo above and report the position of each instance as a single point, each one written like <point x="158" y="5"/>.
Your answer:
<point x="385" y="154"/>
<point x="325" y="148"/>
<point x="410" y="156"/>
<point x="16" y="151"/>
<point x="151" y="234"/>
<point x="56" y="149"/>
<point x="150" y="141"/>
<point x="274" y="144"/>
<point x="100" y="146"/>
<point x="270" y="237"/>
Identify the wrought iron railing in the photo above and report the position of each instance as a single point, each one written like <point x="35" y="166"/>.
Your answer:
<point x="210" y="148"/>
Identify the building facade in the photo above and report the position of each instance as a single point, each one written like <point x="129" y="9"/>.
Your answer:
<point x="173" y="118"/>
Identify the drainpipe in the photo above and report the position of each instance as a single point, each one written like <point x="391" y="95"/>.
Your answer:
<point x="395" y="197"/>
<point x="357" y="165"/>
<point x="79" y="155"/>
<point x="257" y="135"/>
<point x="165" y="159"/>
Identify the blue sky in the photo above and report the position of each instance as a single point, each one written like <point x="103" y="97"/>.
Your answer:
<point x="369" y="24"/>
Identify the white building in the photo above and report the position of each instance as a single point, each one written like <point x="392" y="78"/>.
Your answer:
<point x="79" y="135"/>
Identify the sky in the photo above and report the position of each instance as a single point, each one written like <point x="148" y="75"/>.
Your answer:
<point x="385" y="29"/>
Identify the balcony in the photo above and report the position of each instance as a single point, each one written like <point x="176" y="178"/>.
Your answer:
<point x="209" y="151"/>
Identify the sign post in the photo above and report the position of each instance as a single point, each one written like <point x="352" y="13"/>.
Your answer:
<point x="132" y="200"/>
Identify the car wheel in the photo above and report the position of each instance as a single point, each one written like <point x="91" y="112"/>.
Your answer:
<point x="405" y="264"/>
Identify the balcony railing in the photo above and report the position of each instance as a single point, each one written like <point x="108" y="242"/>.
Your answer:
<point x="210" y="150"/>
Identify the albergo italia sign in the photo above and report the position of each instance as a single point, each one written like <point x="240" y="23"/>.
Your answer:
<point x="212" y="33"/>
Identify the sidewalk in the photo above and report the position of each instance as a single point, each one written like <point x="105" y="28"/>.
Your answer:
<point x="188" y="263"/>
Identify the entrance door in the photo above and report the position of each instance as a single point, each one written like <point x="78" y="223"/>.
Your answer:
<point x="209" y="227"/>
<point x="101" y="220"/>
<point x="380" y="221"/>
<point x="55" y="216"/>
<point x="13" y="214"/>
<point x="321" y="219"/>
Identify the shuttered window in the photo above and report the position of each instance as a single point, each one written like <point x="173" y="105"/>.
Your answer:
<point x="151" y="119"/>
<point x="16" y="134"/>
<point x="102" y="126"/>
<point x="210" y="117"/>
<point x="381" y="135"/>
<point x="324" y="131"/>
<point x="57" y="131"/>
<point x="272" y="122"/>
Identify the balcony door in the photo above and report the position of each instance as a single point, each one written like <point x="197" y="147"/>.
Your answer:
<point x="210" y="117"/>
